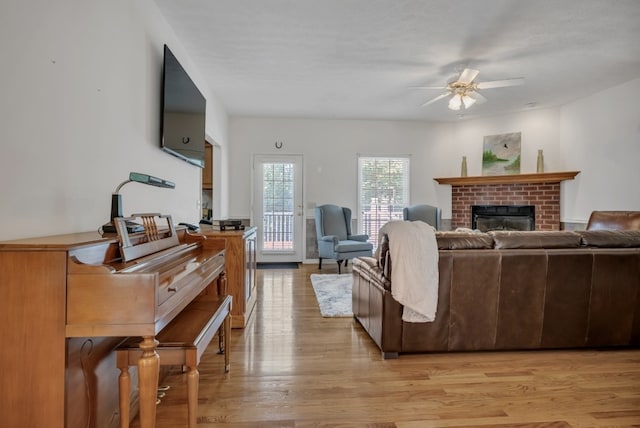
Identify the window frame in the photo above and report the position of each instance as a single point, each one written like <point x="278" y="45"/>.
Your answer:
<point x="368" y="222"/>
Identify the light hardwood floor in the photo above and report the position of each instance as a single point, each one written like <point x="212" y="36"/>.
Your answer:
<point x="292" y="368"/>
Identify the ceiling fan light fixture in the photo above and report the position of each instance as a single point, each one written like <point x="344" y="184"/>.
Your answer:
<point x="464" y="91"/>
<point x="468" y="101"/>
<point x="455" y="102"/>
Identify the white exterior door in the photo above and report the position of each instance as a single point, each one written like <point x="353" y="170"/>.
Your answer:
<point x="277" y="207"/>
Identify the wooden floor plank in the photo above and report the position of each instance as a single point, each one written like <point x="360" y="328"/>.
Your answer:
<point x="292" y="368"/>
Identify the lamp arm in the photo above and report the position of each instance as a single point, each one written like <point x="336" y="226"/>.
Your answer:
<point x="115" y="192"/>
<point x="116" y="200"/>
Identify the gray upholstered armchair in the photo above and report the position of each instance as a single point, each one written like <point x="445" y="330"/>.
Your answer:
<point x="335" y="241"/>
<point x="427" y="213"/>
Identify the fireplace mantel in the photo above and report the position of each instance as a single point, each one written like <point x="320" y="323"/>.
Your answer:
<point x="542" y="177"/>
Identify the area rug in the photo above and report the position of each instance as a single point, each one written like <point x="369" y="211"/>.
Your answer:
<point x="333" y="292"/>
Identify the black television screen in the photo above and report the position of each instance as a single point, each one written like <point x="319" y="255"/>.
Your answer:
<point x="182" y="124"/>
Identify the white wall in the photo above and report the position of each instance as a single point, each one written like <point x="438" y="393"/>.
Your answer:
<point x="600" y="135"/>
<point x="80" y="110"/>
<point x="539" y="130"/>
<point x="330" y="149"/>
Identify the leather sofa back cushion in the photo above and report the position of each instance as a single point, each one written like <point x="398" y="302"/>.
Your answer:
<point x="463" y="241"/>
<point x="535" y="239"/>
<point x="611" y="238"/>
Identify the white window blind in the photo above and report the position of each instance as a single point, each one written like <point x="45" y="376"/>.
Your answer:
<point x="383" y="191"/>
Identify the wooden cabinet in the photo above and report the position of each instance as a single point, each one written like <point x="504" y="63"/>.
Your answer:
<point x="207" y="171"/>
<point x="240" y="248"/>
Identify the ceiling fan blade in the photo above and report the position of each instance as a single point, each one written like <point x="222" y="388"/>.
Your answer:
<point x="476" y="96"/>
<point x="501" y="83"/>
<point x="439" y="97"/>
<point x="427" y="87"/>
<point x="468" y="75"/>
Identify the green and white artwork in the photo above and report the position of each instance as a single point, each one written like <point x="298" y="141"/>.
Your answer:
<point x="501" y="154"/>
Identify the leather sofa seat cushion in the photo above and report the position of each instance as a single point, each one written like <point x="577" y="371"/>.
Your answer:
<point x="535" y="239"/>
<point x="463" y="241"/>
<point x="610" y="238"/>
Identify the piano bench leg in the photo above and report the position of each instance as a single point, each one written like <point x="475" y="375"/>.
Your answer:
<point x="221" y="340"/>
<point x="193" y="380"/>
<point x="184" y="354"/>
<point x="124" y="391"/>
<point x="227" y="335"/>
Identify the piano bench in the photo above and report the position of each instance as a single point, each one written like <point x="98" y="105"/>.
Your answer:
<point x="181" y="342"/>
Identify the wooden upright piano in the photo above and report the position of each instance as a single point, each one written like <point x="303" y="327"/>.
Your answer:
<point x="69" y="300"/>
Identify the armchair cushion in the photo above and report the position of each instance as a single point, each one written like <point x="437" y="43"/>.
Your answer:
<point x="349" y="245"/>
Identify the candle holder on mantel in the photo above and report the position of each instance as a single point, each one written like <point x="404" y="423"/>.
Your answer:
<point x="463" y="167"/>
<point x="540" y="164"/>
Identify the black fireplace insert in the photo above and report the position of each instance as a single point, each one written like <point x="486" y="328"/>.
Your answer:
<point x="503" y="217"/>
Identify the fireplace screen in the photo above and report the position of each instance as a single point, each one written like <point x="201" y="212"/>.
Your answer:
<point x="503" y="217"/>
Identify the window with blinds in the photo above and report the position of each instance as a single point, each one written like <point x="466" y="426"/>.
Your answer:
<point x="383" y="191"/>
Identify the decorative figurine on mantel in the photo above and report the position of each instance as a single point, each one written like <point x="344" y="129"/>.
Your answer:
<point x="463" y="168"/>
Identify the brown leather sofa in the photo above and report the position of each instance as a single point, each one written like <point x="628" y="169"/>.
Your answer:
<point x="512" y="290"/>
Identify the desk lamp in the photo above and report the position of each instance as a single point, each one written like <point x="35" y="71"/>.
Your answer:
<point x="116" y="200"/>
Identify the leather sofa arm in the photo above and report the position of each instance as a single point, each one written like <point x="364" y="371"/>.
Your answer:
<point x="368" y="268"/>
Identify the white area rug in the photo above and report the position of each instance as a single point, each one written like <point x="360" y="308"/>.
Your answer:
<point x="333" y="292"/>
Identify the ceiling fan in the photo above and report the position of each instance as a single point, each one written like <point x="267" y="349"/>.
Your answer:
<point x="464" y="90"/>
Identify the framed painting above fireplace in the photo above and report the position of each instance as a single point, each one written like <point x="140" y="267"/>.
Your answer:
<point x="501" y="154"/>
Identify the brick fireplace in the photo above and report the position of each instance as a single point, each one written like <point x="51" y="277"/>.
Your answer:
<point x="541" y="190"/>
<point x="544" y="196"/>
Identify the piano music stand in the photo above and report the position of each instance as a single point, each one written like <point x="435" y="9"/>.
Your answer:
<point x="155" y="238"/>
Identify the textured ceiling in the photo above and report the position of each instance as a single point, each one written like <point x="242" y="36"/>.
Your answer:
<point x="356" y="59"/>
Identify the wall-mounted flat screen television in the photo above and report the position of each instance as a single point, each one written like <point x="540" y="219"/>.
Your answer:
<point x="182" y="124"/>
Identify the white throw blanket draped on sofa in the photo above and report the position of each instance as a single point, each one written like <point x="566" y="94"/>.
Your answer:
<point x="414" y="274"/>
